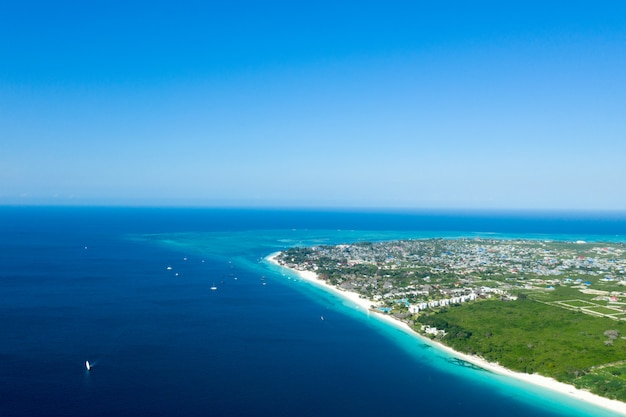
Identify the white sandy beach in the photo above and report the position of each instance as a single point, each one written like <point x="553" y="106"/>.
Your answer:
<point x="538" y="380"/>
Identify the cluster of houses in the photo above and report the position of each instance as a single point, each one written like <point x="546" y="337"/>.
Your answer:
<point x="432" y="273"/>
<point x="467" y="256"/>
<point x="416" y="308"/>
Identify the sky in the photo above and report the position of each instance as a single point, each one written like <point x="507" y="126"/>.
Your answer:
<point x="364" y="104"/>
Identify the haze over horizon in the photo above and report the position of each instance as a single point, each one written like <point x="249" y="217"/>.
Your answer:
<point x="352" y="104"/>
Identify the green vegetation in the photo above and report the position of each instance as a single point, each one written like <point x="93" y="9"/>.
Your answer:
<point x="603" y="310"/>
<point x="607" y="381"/>
<point x="533" y="337"/>
<point x="577" y="303"/>
<point x="553" y="308"/>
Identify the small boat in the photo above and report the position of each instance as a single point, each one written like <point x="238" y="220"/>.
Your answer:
<point x="169" y="268"/>
<point x="88" y="365"/>
<point x="213" y="288"/>
<point x="322" y="317"/>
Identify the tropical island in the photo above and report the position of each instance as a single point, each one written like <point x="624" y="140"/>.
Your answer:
<point x="550" y="308"/>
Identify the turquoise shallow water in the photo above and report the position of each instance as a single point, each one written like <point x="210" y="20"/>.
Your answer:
<point x="495" y="388"/>
<point x="93" y="284"/>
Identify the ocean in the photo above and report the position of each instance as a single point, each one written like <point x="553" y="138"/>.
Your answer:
<point x="129" y="290"/>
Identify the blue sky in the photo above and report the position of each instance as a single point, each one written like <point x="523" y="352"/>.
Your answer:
<point x="514" y="105"/>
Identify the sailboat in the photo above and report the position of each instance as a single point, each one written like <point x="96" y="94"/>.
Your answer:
<point x="88" y="365"/>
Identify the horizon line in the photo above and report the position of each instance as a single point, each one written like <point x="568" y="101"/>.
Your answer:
<point x="322" y="208"/>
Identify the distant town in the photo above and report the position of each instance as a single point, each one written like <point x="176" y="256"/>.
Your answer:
<point x="408" y="276"/>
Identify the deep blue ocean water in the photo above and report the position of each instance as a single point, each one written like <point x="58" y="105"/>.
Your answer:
<point x="93" y="284"/>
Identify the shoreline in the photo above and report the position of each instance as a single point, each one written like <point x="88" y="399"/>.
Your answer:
<point x="534" y="379"/>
